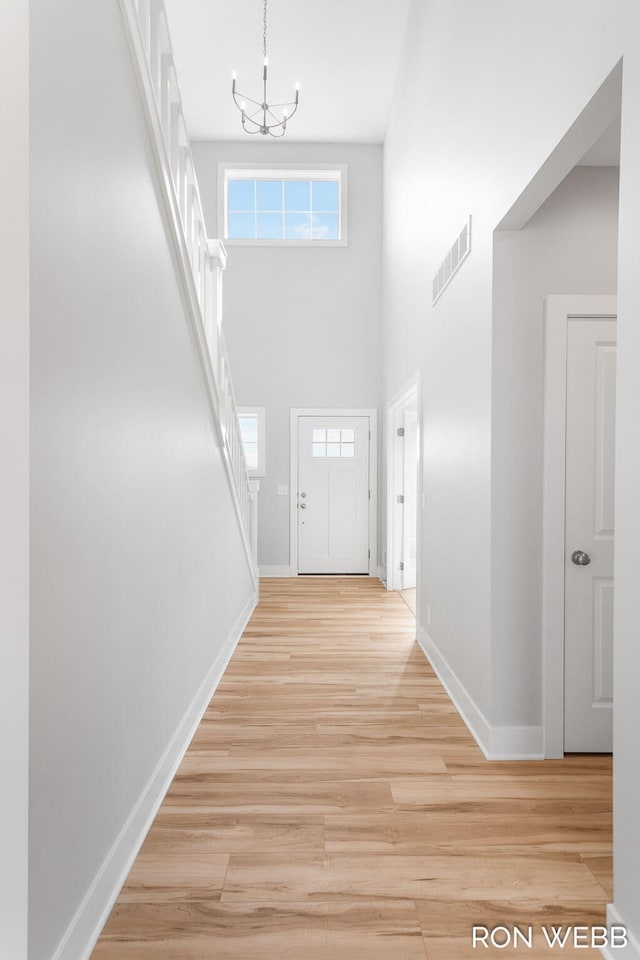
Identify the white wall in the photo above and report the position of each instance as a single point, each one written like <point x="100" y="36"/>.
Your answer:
<point x="302" y="325"/>
<point x="569" y="246"/>
<point x="14" y="503"/>
<point x="484" y="94"/>
<point x="138" y="572"/>
<point x="470" y="149"/>
<point x="626" y="779"/>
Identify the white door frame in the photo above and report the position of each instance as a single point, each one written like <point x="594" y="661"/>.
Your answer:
<point x="558" y="311"/>
<point x="410" y="389"/>
<point x="372" y="413"/>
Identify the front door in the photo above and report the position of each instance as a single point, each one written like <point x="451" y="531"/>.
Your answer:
<point x="589" y="531"/>
<point x="333" y="494"/>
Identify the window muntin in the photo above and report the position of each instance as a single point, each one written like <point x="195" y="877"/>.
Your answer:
<point x="283" y="209"/>
<point x="331" y="442"/>
<point x="287" y="206"/>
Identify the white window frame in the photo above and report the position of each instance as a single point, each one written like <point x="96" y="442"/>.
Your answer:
<point x="259" y="412"/>
<point x="287" y="171"/>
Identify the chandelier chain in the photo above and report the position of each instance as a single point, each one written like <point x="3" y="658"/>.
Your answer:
<point x="264" y="29"/>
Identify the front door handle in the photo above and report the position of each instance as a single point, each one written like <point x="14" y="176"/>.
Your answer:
<point x="302" y="506"/>
<point x="580" y="558"/>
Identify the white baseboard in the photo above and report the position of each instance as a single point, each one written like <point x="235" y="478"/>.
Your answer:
<point x="496" y="743"/>
<point x="464" y="704"/>
<point x="516" y="743"/>
<point x="632" y="949"/>
<point x="85" y="928"/>
<point x="277" y="571"/>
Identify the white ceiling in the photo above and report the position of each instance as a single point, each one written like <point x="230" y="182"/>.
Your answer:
<point x="345" y="53"/>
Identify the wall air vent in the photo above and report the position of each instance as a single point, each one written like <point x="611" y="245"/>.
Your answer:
<point x="452" y="262"/>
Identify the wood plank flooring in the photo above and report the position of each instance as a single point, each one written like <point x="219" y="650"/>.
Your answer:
<point x="409" y="597"/>
<point x="333" y="804"/>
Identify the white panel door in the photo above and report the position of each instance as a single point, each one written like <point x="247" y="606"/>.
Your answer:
<point x="591" y="383"/>
<point x="333" y="495"/>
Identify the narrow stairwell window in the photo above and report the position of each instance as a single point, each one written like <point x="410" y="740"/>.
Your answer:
<point x="252" y="429"/>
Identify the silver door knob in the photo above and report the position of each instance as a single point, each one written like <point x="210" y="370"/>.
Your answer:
<point x="302" y="506"/>
<point x="580" y="558"/>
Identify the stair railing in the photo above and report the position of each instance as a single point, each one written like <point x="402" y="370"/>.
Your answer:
<point x="201" y="261"/>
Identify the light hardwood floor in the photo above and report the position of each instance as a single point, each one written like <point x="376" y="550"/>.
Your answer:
<point x="409" y="597"/>
<point x="333" y="805"/>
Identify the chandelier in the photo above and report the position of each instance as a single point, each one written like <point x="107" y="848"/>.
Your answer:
<point x="263" y="119"/>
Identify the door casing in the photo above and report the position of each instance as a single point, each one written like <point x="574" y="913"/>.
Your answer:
<point x="372" y="413"/>
<point x="558" y="311"/>
<point x="409" y="392"/>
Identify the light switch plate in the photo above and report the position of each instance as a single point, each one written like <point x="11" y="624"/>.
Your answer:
<point x="283" y="490"/>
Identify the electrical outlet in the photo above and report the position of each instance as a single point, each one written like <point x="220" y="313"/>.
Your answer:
<point x="428" y="614"/>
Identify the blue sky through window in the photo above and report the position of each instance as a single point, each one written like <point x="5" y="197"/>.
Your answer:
<point x="269" y="226"/>
<point x="297" y="195"/>
<point x="241" y="194"/>
<point x="269" y="194"/>
<point x="283" y="209"/>
<point x="325" y="195"/>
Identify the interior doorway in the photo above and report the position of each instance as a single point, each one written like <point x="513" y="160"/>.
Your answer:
<point x="580" y="370"/>
<point x="561" y="234"/>
<point x="402" y="514"/>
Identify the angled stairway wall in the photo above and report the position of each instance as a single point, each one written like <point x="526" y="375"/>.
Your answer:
<point x="142" y="572"/>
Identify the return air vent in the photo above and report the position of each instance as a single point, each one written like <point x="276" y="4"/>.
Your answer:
<point x="452" y="262"/>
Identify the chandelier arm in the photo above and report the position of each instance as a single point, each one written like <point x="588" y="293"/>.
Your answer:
<point x="250" y="118"/>
<point x="278" y="120"/>
<point x="247" y="99"/>
<point x="295" y="107"/>
<point x="251" y="132"/>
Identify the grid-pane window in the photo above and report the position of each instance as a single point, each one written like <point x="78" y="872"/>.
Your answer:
<point x="252" y="430"/>
<point x="249" y="431"/>
<point x="283" y="208"/>
<point x="332" y="442"/>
